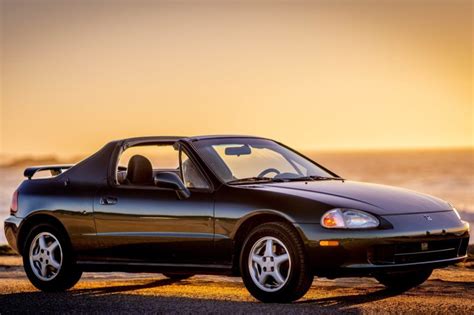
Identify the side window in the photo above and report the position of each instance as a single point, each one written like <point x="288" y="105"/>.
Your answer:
<point x="192" y="177"/>
<point x="138" y="165"/>
<point x="160" y="156"/>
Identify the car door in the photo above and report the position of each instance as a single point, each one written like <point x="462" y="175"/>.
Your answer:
<point x="151" y="224"/>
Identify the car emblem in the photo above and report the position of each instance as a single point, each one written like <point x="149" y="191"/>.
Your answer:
<point x="424" y="246"/>
<point x="428" y="218"/>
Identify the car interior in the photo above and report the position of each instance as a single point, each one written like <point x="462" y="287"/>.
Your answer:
<point x="141" y="172"/>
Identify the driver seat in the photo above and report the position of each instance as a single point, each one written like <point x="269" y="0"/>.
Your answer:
<point x="139" y="171"/>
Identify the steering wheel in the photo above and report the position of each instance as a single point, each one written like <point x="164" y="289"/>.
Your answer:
<point x="268" y="170"/>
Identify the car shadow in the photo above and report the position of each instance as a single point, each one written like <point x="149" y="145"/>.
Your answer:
<point x="353" y="299"/>
<point x="122" y="288"/>
<point x="120" y="298"/>
<point x="431" y="287"/>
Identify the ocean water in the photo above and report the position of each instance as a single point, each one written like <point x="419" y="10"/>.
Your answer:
<point x="447" y="174"/>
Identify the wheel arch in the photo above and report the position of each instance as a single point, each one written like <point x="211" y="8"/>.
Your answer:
<point x="248" y="223"/>
<point x="34" y="220"/>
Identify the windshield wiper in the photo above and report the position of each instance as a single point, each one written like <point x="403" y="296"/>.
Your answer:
<point x="311" y="178"/>
<point x="326" y="178"/>
<point x="254" y="179"/>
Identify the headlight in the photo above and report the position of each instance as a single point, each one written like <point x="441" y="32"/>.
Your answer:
<point x="348" y="219"/>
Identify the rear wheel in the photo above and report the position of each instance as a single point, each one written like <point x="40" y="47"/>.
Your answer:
<point x="48" y="260"/>
<point x="177" y="276"/>
<point x="404" y="280"/>
<point x="274" y="265"/>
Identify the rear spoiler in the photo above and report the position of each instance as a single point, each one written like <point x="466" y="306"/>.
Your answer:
<point x="54" y="169"/>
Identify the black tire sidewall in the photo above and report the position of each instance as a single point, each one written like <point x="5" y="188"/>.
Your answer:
<point x="292" y="288"/>
<point x="69" y="273"/>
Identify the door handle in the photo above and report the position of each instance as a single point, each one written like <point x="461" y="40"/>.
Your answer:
<point x="108" y="201"/>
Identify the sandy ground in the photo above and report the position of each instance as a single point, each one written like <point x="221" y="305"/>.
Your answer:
<point x="448" y="291"/>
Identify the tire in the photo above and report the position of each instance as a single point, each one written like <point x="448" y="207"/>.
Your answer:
<point x="48" y="260"/>
<point x="177" y="276"/>
<point x="404" y="280"/>
<point x="278" y="275"/>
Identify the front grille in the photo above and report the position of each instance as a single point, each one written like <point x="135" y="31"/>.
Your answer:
<point x="413" y="252"/>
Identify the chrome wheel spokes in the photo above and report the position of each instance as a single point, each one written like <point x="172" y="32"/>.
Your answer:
<point x="269" y="264"/>
<point x="46" y="256"/>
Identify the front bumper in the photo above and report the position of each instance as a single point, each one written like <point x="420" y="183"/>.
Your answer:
<point x="406" y="246"/>
<point x="12" y="226"/>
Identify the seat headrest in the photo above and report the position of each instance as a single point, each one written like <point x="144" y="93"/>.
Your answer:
<point x="139" y="171"/>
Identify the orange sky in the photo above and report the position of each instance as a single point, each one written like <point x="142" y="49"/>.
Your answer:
<point x="314" y="75"/>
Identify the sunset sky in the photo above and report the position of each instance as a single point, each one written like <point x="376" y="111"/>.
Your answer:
<point x="314" y="75"/>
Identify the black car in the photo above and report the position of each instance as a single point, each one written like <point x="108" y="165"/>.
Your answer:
<point x="230" y="205"/>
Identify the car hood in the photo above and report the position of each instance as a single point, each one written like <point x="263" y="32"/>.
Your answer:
<point x="381" y="199"/>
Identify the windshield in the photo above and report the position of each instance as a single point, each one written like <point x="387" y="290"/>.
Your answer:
<point x="243" y="159"/>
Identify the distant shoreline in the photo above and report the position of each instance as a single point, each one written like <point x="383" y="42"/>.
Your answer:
<point x="26" y="161"/>
<point x="29" y="159"/>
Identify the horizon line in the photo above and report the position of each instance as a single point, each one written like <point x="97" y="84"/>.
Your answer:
<point x="322" y="149"/>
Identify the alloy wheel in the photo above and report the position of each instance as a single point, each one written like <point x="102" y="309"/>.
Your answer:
<point x="269" y="264"/>
<point x="46" y="256"/>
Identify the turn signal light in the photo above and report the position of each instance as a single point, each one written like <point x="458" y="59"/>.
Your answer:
<point x="329" y="221"/>
<point x="328" y="243"/>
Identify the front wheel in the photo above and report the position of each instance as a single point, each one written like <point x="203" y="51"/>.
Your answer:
<point x="48" y="261"/>
<point x="404" y="280"/>
<point x="274" y="264"/>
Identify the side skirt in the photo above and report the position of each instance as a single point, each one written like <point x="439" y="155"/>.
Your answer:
<point x="108" y="266"/>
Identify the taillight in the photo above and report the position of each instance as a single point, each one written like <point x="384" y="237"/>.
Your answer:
<point x="14" y="204"/>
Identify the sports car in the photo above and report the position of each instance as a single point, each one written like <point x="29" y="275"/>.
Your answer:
<point x="229" y="205"/>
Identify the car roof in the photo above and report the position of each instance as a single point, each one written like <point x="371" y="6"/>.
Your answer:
<point x="206" y="137"/>
<point x="168" y="139"/>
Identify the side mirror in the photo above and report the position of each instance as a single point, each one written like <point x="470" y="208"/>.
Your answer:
<point x="172" y="181"/>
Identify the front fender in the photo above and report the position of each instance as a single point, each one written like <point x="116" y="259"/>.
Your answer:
<point x="259" y="212"/>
